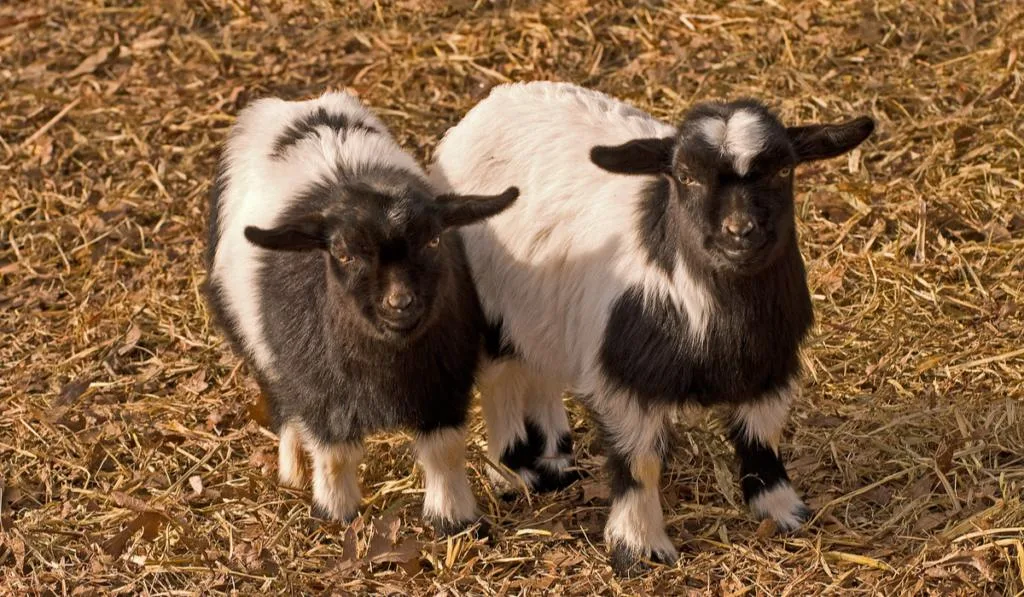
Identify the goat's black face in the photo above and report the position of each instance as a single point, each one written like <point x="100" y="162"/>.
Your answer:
<point x="733" y="170"/>
<point x="388" y="245"/>
<point x="731" y="165"/>
<point x="386" y="253"/>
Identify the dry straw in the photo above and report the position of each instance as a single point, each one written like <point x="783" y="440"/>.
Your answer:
<point x="130" y="464"/>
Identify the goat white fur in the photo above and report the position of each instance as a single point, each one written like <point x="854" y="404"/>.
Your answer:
<point x="552" y="287"/>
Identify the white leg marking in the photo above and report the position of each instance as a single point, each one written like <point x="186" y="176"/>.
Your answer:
<point x="631" y="428"/>
<point x="781" y="504"/>
<point x="448" y="496"/>
<point x="636" y="522"/>
<point x="636" y="432"/>
<point x="763" y="421"/>
<point x="290" y="457"/>
<point x="335" y="479"/>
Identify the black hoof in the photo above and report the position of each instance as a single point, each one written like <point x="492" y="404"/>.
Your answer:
<point x="318" y="512"/>
<point x="550" y="480"/>
<point x="629" y="563"/>
<point x="479" y="528"/>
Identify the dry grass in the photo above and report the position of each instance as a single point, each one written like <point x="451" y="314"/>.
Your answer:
<point x="128" y="459"/>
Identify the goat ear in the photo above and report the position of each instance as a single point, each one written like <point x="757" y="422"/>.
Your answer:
<point x="822" y="141"/>
<point x="639" y="156"/>
<point x="302" y="234"/>
<point x="461" y="210"/>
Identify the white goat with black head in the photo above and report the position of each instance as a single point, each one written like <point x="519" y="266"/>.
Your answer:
<point x="644" y="266"/>
<point x="335" y="272"/>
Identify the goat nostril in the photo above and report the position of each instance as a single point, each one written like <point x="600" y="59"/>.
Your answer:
<point x="399" y="300"/>
<point x="740" y="227"/>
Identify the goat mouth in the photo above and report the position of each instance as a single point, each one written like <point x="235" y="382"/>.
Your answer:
<point x="402" y="324"/>
<point x="742" y="254"/>
<point x="743" y="258"/>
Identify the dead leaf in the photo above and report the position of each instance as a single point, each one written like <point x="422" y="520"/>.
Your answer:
<point x="131" y="339"/>
<point x="922" y="486"/>
<point x="996" y="232"/>
<point x="150" y="522"/>
<point x="767" y="529"/>
<point x="8" y="21"/>
<point x="963" y="136"/>
<point x="802" y="19"/>
<point x="100" y="460"/>
<point x="593" y="490"/>
<point x="349" y="549"/>
<point x="154" y="38"/>
<point x="127" y="501"/>
<point x="930" y="521"/>
<point x="560" y="558"/>
<point x="197" y="383"/>
<point x="43" y="149"/>
<point x="880" y="495"/>
<point x="196" y="482"/>
<point x="264" y="458"/>
<point x="72" y="391"/>
<point x="944" y="453"/>
<point x="259" y="410"/>
<point x="93" y="62"/>
<point x="385" y="535"/>
<point x="827" y="421"/>
<point x="386" y="549"/>
<point x="804" y="466"/>
<point x="18" y="547"/>
<point x="405" y="552"/>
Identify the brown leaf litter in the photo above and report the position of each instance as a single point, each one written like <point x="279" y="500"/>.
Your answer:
<point x="129" y="460"/>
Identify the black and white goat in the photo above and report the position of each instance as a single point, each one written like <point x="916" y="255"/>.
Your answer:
<point x="335" y="272"/>
<point x="644" y="266"/>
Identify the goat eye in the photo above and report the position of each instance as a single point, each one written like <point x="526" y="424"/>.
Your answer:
<point x="687" y="180"/>
<point x="339" y="252"/>
<point x="434" y="242"/>
<point x="785" y="172"/>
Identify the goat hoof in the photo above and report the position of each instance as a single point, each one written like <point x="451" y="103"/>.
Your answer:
<point x="549" y="481"/>
<point x="783" y="505"/>
<point x="479" y="528"/>
<point x="319" y="512"/>
<point x="798" y="517"/>
<point x="539" y="479"/>
<point x="629" y="562"/>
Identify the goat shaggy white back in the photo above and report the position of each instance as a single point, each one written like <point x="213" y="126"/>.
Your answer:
<point x="558" y="282"/>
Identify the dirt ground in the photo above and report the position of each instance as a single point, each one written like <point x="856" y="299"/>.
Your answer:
<point x="131" y="459"/>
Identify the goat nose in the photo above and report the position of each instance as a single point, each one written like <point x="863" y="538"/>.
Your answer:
<point x="738" y="225"/>
<point x="399" y="300"/>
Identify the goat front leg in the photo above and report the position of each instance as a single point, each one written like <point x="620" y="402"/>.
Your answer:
<point x="448" y="502"/>
<point x="636" y="435"/>
<point x="755" y="428"/>
<point x="336" y="493"/>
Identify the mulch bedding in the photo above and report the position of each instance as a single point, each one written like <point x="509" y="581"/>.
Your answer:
<point x="131" y="457"/>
